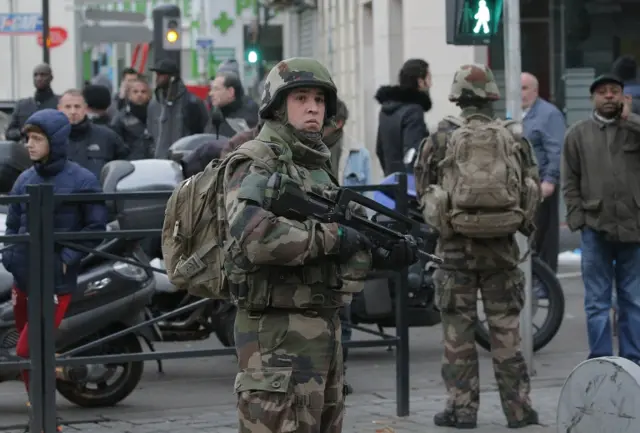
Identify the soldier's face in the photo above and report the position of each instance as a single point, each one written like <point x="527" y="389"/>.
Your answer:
<point x="74" y="107"/>
<point x="305" y="109"/>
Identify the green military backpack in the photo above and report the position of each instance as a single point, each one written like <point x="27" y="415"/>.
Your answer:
<point x="195" y="228"/>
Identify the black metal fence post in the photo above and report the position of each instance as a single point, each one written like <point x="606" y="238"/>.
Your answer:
<point x="47" y="208"/>
<point x="36" y="392"/>
<point x="402" y="326"/>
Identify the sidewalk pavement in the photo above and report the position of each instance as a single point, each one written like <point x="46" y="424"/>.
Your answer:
<point x="373" y="413"/>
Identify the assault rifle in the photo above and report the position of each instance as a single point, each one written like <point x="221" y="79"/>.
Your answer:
<point x="286" y="199"/>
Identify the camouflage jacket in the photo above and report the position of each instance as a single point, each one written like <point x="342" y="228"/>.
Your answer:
<point x="461" y="252"/>
<point x="284" y="263"/>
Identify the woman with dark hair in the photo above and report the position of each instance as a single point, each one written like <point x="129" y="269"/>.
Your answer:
<point x="401" y="125"/>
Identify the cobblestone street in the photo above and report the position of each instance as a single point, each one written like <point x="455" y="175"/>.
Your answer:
<point x="375" y="414"/>
<point x="195" y="395"/>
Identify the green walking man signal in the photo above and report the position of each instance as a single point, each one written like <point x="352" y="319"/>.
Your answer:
<point x="472" y="22"/>
<point x="482" y="17"/>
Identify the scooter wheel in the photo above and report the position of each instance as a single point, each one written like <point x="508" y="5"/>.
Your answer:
<point x="111" y="394"/>
<point x="224" y="328"/>
<point x="555" y="315"/>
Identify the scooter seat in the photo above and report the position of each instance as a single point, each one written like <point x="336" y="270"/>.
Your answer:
<point x="6" y="282"/>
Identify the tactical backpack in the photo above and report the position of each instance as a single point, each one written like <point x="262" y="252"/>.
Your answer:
<point x="482" y="191"/>
<point x="195" y="226"/>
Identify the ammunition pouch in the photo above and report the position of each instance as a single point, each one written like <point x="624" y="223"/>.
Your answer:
<point x="308" y="287"/>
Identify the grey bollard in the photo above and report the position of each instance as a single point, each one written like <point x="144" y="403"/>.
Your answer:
<point x="601" y="395"/>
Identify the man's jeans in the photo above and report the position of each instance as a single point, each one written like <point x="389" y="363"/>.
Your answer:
<point x="603" y="263"/>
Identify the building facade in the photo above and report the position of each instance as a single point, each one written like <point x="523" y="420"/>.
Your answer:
<point x="365" y="42"/>
<point x="565" y="43"/>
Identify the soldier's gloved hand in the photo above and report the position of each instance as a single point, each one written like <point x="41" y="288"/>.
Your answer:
<point x="351" y="242"/>
<point x="403" y="254"/>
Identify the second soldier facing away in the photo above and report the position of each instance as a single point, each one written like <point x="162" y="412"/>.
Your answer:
<point x="287" y="326"/>
<point x="478" y="183"/>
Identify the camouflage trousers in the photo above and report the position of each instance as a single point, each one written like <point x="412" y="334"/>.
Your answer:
<point x="291" y="372"/>
<point x="503" y="299"/>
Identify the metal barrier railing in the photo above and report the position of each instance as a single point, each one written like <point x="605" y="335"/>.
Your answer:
<point x="42" y="238"/>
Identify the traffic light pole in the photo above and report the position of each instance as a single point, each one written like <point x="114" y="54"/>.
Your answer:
<point x="46" y="58"/>
<point x="513" y="70"/>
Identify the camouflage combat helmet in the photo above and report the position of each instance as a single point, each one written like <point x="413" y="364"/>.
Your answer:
<point x="474" y="81"/>
<point x="295" y="73"/>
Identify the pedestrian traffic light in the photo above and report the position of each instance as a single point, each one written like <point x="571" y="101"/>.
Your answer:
<point x="252" y="56"/>
<point x="167" y="33"/>
<point x="472" y="22"/>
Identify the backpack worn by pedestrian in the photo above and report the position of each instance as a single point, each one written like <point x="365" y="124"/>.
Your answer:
<point x="483" y="191"/>
<point x="195" y="226"/>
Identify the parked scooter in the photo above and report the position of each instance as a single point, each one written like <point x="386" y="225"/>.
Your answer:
<point x="376" y="304"/>
<point x="111" y="296"/>
<point x="214" y="317"/>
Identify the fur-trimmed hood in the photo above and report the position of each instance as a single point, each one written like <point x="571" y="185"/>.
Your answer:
<point x="392" y="97"/>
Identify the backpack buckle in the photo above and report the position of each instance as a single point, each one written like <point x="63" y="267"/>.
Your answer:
<point x="191" y="267"/>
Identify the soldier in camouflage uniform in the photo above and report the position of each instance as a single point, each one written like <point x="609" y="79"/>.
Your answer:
<point x="488" y="265"/>
<point x="290" y="278"/>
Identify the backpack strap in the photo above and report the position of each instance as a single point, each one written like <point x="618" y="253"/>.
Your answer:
<point x="260" y="153"/>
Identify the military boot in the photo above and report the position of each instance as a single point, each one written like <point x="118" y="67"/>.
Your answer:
<point x="531" y="418"/>
<point x="448" y="418"/>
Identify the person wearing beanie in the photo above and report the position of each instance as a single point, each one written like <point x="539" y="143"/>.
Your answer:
<point x="90" y="145"/>
<point x="103" y="80"/>
<point x="98" y="98"/>
<point x="47" y="133"/>
<point x="626" y="69"/>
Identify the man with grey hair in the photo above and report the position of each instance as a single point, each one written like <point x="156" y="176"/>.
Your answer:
<point x="544" y="127"/>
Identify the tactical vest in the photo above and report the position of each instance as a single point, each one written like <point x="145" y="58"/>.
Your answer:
<point x="312" y="286"/>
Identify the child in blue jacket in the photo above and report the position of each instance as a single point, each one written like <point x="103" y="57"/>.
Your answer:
<point x="48" y="133"/>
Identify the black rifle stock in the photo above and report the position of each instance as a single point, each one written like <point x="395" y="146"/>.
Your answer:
<point x="290" y="201"/>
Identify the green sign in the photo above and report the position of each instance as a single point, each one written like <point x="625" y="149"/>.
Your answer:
<point x="223" y="23"/>
<point x="478" y="20"/>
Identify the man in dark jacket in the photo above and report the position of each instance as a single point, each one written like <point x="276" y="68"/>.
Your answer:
<point x="48" y="133"/>
<point x="131" y="121"/>
<point x="43" y="98"/>
<point x="128" y="76"/>
<point x="626" y="69"/>
<point x="98" y="99"/>
<point x="231" y="66"/>
<point x="90" y="145"/>
<point x="401" y="125"/>
<point x="600" y="178"/>
<point x="175" y="112"/>
<point x="227" y="95"/>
